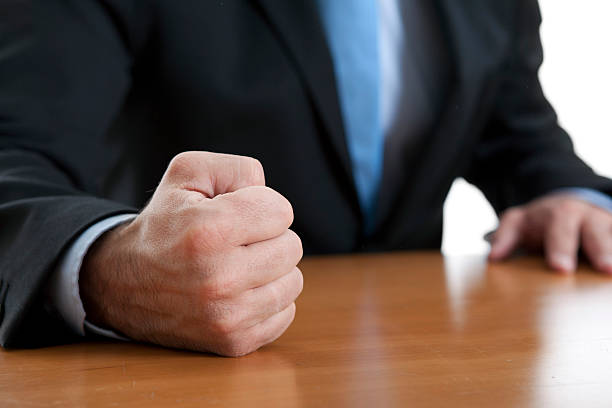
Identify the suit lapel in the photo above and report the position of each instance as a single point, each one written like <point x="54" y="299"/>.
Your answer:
<point x="299" y="29"/>
<point x="297" y="26"/>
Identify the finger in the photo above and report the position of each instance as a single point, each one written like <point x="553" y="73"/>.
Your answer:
<point x="272" y="328"/>
<point x="250" y="339"/>
<point x="597" y="244"/>
<point x="213" y="173"/>
<point x="508" y="235"/>
<point x="265" y="301"/>
<point x="266" y="261"/>
<point x="248" y="215"/>
<point x="561" y="241"/>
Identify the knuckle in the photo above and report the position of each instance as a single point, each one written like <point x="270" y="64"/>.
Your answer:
<point x="211" y="234"/>
<point x="276" y="296"/>
<point x="558" y="212"/>
<point x="281" y="206"/>
<point x="562" y="214"/>
<point x="221" y="284"/>
<point x="512" y="214"/>
<point x="287" y="290"/>
<point x="568" y="207"/>
<point x="221" y="226"/>
<point x="225" y="327"/>
<point x="234" y="204"/>
<point x="286" y="211"/>
<point x="194" y="242"/>
<point x="181" y="165"/>
<point x="201" y="240"/>
<point x="254" y="169"/>
<point x="299" y="281"/>
<point x="236" y="346"/>
<point x="291" y="313"/>
<point x="223" y="321"/>
<point x="287" y="250"/>
<point x="262" y="200"/>
<point x="295" y="245"/>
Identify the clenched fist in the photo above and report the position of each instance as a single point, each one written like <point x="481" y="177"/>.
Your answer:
<point x="208" y="265"/>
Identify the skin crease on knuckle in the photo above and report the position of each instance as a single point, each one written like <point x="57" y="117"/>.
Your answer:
<point x="238" y="172"/>
<point x="266" y="301"/>
<point x="227" y="320"/>
<point x="263" y="302"/>
<point x="286" y="289"/>
<point x="227" y="330"/>
<point x="214" y="278"/>
<point x="210" y="326"/>
<point x="282" y="252"/>
<point x="242" y="212"/>
<point x="210" y="230"/>
<point x="237" y="346"/>
<point x="267" y="201"/>
<point x="253" y="208"/>
<point x="275" y="295"/>
<point x="262" y="202"/>
<point x="248" y="340"/>
<point x="224" y="320"/>
<point x="275" y="326"/>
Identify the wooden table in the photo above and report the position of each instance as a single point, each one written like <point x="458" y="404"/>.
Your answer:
<point x="405" y="329"/>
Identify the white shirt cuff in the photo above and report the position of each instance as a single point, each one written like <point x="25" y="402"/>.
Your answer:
<point x="63" y="288"/>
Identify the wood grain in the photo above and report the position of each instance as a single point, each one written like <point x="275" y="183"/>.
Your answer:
<point x="402" y="329"/>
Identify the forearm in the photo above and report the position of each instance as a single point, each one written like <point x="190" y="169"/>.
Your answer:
<point x="64" y="71"/>
<point x="40" y="213"/>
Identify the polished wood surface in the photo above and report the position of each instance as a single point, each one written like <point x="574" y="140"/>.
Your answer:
<point x="405" y="329"/>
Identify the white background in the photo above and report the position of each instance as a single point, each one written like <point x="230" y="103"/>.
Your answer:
<point x="577" y="79"/>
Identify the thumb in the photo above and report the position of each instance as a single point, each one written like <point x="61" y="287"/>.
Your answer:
<point x="508" y="235"/>
<point x="212" y="174"/>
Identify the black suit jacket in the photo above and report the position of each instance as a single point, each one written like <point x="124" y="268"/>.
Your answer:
<point x="96" y="96"/>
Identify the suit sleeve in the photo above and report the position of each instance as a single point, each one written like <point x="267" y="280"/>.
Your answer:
<point x="524" y="153"/>
<point x="64" y="72"/>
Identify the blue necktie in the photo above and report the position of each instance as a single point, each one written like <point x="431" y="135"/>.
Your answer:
<point x="351" y="27"/>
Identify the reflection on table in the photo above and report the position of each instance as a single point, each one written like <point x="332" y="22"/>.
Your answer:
<point x="401" y="329"/>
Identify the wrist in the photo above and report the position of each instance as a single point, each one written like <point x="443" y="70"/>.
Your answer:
<point x="102" y="266"/>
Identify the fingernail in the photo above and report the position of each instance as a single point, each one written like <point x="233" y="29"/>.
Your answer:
<point x="564" y="262"/>
<point x="605" y="263"/>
